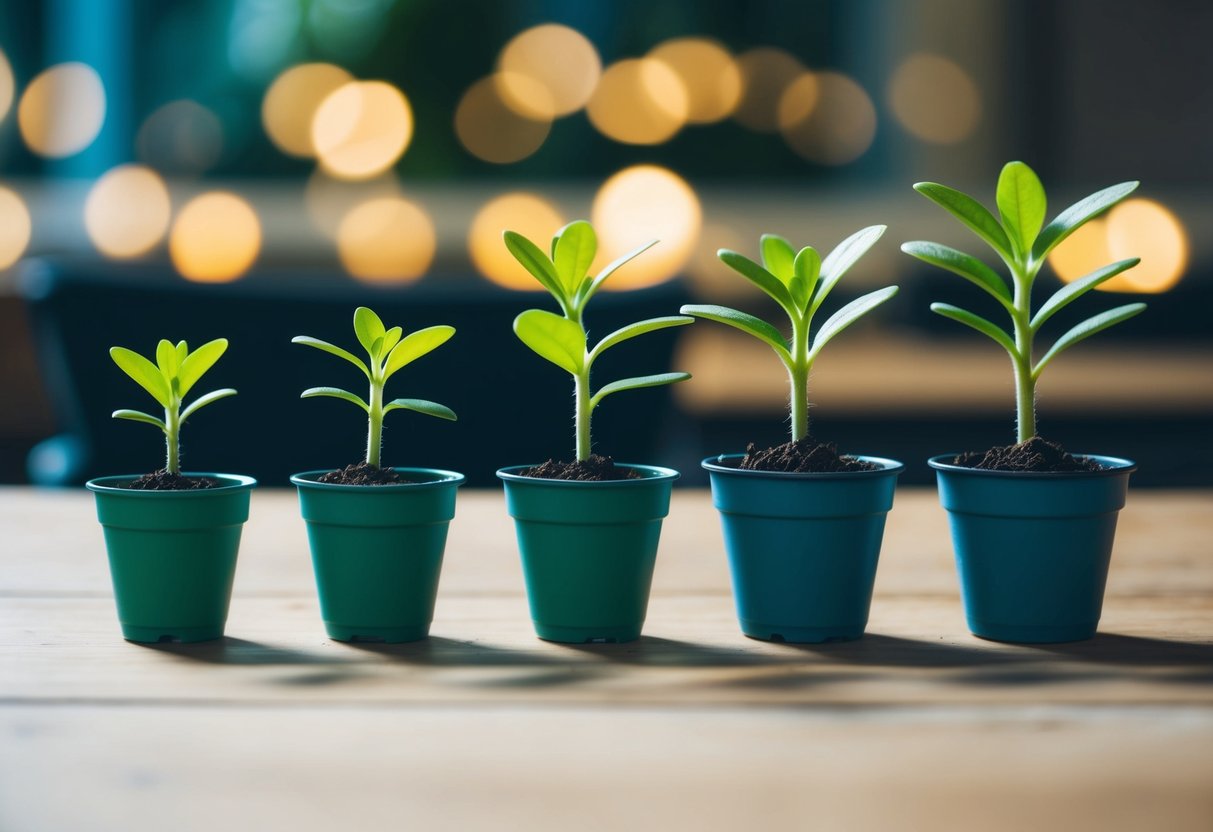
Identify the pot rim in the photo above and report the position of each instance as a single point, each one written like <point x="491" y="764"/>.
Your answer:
<point x="1113" y="466"/>
<point x="715" y="464"/>
<point x="653" y="473"/>
<point x="307" y="479"/>
<point x="233" y="482"/>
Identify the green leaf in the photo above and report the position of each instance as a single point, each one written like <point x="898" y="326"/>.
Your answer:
<point x="975" y="216"/>
<point x="199" y="361"/>
<point x="848" y="315"/>
<point x="1077" y="215"/>
<point x="978" y="323"/>
<point x="553" y="337"/>
<point x="334" y="393"/>
<point x="332" y="349"/>
<point x="759" y="276"/>
<point x="1086" y="329"/>
<point x="839" y="261"/>
<point x="1071" y="291"/>
<point x="748" y="324"/>
<point x="1021" y="202"/>
<point x="144" y="373"/>
<point x="636" y="384"/>
<point x="367" y="327"/>
<point x="421" y="406"/>
<point x="968" y="267"/>
<point x="576" y="245"/>
<point x="588" y="289"/>
<point x="203" y="401"/>
<point x="633" y="330"/>
<point x="806" y="269"/>
<point x="136" y="416"/>
<point x="415" y="345"/>
<point x="778" y="256"/>
<point x="390" y="339"/>
<point x="166" y="359"/>
<point x="183" y="351"/>
<point x="536" y="262"/>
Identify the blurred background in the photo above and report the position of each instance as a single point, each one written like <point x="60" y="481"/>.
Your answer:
<point x="255" y="169"/>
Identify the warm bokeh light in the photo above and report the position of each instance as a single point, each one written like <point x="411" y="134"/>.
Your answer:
<point x="935" y="99"/>
<point x="15" y="227"/>
<point x="548" y="71"/>
<point x="1082" y="252"/>
<point x="492" y="131"/>
<point x="386" y="240"/>
<point x="8" y="86"/>
<point x="291" y="102"/>
<point x="639" y="101"/>
<point x="181" y="137"/>
<point x="531" y="216"/>
<point x="127" y="211"/>
<point x="837" y="128"/>
<point x="1136" y="228"/>
<point x="711" y="279"/>
<point x="361" y="129"/>
<point x="708" y="72"/>
<point x="62" y="110"/>
<point x="329" y="200"/>
<point x="639" y="204"/>
<point x="215" y="238"/>
<point x="765" y="73"/>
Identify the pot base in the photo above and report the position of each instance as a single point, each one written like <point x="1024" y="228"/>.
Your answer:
<point x="383" y="635"/>
<point x="587" y="635"/>
<point x="799" y="635"/>
<point x="1016" y="634"/>
<point x="181" y="635"/>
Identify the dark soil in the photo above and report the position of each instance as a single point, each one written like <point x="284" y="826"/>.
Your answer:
<point x="1036" y="454"/>
<point x="164" y="481"/>
<point x="806" y="456"/>
<point x="595" y="469"/>
<point x="362" y="473"/>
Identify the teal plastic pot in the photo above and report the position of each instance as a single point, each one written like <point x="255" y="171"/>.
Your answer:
<point x="377" y="551"/>
<point x="1032" y="549"/>
<point x="172" y="555"/>
<point x="588" y="550"/>
<point x="802" y="548"/>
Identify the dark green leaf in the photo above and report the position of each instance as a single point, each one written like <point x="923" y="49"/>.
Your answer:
<point x="332" y="349"/>
<point x="970" y="212"/>
<point x="334" y="393"/>
<point x="848" y="315"/>
<point x="636" y="384"/>
<point x="978" y="323"/>
<point x="1074" y="217"/>
<point x="1086" y="329"/>
<point x="968" y="267"/>
<point x="553" y="337"/>
<point x="757" y="327"/>
<point x="633" y="330"/>
<point x="1071" y="291"/>
<point x="146" y="374"/>
<point x="421" y="406"/>
<point x="1021" y="202"/>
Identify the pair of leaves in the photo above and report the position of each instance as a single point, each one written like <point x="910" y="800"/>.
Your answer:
<point x="174" y="374"/>
<point x="563" y="342"/>
<point x="418" y="405"/>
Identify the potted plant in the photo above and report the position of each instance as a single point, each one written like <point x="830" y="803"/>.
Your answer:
<point x="1032" y="525"/>
<point x="802" y="523"/>
<point x="587" y="529"/>
<point x="377" y="534"/>
<point x="172" y="537"/>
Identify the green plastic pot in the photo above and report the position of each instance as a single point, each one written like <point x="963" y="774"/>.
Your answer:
<point x="172" y="555"/>
<point x="377" y="551"/>
<point x="588" y="550"/>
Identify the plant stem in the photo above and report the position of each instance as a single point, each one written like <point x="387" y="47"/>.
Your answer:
<point x="583" y="414"/>
<point x="374" y="439"/>
<point x="172" y="434"/>
<point x="1025" y="384"/>
<point x="798" y="374"/>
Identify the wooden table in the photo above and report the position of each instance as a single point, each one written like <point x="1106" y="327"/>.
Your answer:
<point x="916" y="726"/>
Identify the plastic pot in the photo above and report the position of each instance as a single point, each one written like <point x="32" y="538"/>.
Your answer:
<point x="1032" y="549"/>
<point x="588" y="550"/>
<point x="802" y="547"/>
<point x="377" y="551"/>
<point x="172" y="555"/>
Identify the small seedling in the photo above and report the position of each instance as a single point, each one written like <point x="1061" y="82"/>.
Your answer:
<point x="168" y="381"/>
<point x="562" y="339"/>
<point x="799" y="281"/>
<point x="1023" y="245"/>
<point x="388" y="351"/>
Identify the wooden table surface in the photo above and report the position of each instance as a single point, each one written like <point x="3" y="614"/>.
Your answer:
<point x="916" y="726"/>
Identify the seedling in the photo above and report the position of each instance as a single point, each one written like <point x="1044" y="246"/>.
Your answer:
<point x="1022" y="244"/>
<point x="799" y="281"/>
<point x="562" y="339"/>
<point x="168" y="381"/>
<point x="387" y="352"/>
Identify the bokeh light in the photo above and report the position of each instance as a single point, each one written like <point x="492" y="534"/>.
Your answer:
<point x="639" y="204"/>
<point x="935" y="99"/>
<point x="291" y="102"/>
<point x="62" y="110"/>
<point x="386" y="240"/>
<point x="765" y="73"/>
<point x="15" y="227"/>
<point x="548" y="71"/>
<point x="1082" y="252"/>
<point x="708" y="72"/>
<point x="215" y="238"/>
<point x="839" y="125"/>
<point x="127" y="211"/>
<point x="531" y="216"/>
<point x="8" y="86"/>
<point x="1135" y="228"/>
<point x="182" y="137"/>
<point x="639" y="101"/>
<point x="329" y="200"/>
<point x="491" y="130"/>
<point x="361" y="129"/>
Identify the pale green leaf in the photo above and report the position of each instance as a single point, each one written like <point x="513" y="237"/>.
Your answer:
<point x="137" y="416"/>
<point x="1021" y="203"/>
<point x="421" y="406"/>
<point x="848" y="315"/>
<point x="971" y="213"/>
<point x="839" y="261"/>
<point x="166" y="359"/>
<point x="553" y="337"/>
<point x="183" y="351"/>
<point x="1071" y="291"/>
<point x="144" y="373"/>
<point x="588" y="289"/>
<point x="199" y="361"/>
<point x="390" y="339"/>
<point x="416" y="344"/>
<point x="806" y="270"/>
<point x="334" y="393"/>
<point x="202" y="401"/>
<point x="1077" y="215"/>
<point x="536" y="262"/>
<point x="778" y="256"/>
<point x="759" y="276"/>
<point x="633" y="330"/>
<point x="576" y="245"/>
<point x="748" y="324"/>
<point x="332" y="349"/>
<point x="636" y="384"/>
<point x="978" y="323"/>
<point x="368" y="327"/>
<point x="1086" y="329"/>
<point x="968" y="267"/>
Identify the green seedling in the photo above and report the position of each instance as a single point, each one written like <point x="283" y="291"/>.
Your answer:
<point x="1022" y="241"/>
<point x="799" y="281"/>
<point x="168" y="381"/>
<point x="387" y="350"/>
<point x="562" y="339"/>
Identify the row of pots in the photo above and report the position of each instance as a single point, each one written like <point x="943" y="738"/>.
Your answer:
<point x="1032" y="550"/>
